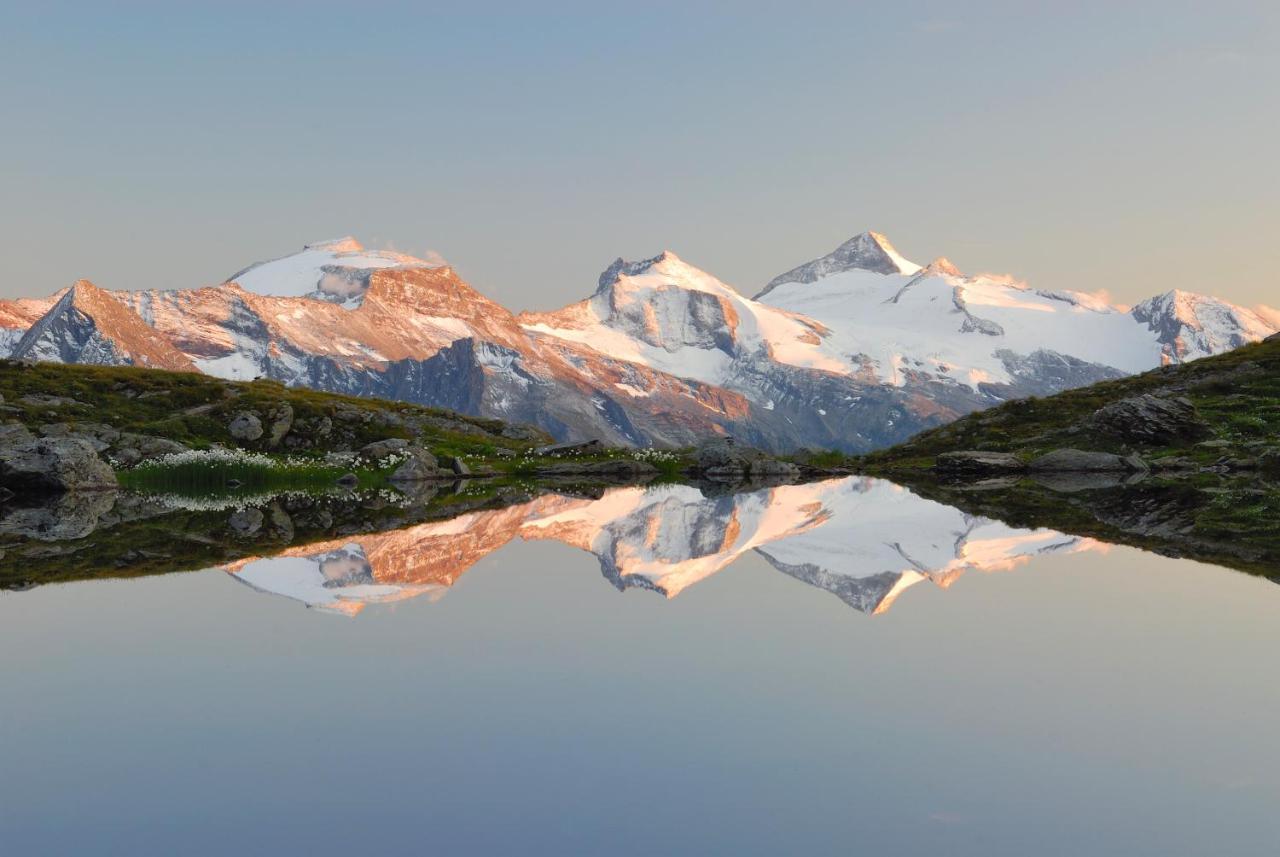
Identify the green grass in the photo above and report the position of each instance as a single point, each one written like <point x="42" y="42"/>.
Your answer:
<point x="195" y="410"/>
<point x="1236" y="394"/>
<point x="199" y="478"/>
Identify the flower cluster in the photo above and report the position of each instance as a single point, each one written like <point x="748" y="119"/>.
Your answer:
<point x="232" y="457"/>
<point x="654" y="456"/>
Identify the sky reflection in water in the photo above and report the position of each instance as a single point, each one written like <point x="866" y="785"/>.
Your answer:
<point x="1099" y="701"/>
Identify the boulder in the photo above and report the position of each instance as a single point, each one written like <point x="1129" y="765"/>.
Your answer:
<point x="348" y="480"/>
<point x="148" y="446"/>
<point x="51" y="464"/>
<point x="245" y="426"/>
<point x="772" y="467"/>
<point x="1149" y="419"/>
<point x="282" y="421"/>
<point x="57" y="518"/>
<point x="586" y="447"/>
<point x="455" y="465"/>
<point x="1078" y="461"/>
<point x="978" y="462"/>
<point x="418" y="466"/>
<point x="246" y="522"/>
<point x="724" y="455"/>
<point x="725" y="459"/>
<point x="380" y="449"/>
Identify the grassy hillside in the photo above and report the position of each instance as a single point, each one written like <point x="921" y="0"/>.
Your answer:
<point x="196" y="410"/>
<point x="1236" y="396"/>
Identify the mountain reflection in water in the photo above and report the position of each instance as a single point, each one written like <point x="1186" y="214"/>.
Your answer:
<point x="864" y="540"/>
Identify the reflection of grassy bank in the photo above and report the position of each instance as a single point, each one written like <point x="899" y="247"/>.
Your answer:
<point x="133" y="535"/>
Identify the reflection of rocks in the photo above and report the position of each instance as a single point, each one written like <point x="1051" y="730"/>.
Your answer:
<point x="977" y="462"/>
<point x="1074" y="482"/>
<point x="65" y="516"/>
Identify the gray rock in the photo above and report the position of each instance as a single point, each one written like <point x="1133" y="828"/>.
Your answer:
<point x="1135" y="463"/>
<point x="51" y="464"/>
<point x="1071" y="482"/>
<point x="245" y="426"/>
<point x="456" y="465"/>
<point x="772" y="467"/>
<point x="1149" y="419"/>
<point x="246" y="522"/>
<point x="149" y="446"/>
<point x="348" y="480"/>
<point x="558" y="449"/>
<point x="282" y="422"/>
<point x="419" y="466"/>
<point x="380" y="449"/>
<point x="40" y="400"/>
<point x="724" y="455"/>
<point x="67" y="516"/>
<point x="978" y="462"/>
<point x="1078" y="461"/>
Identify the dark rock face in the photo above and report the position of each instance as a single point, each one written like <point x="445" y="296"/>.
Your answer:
<point x="978" y="462"/>
<point x="51" y="464"/>
<point x="1269" y="462"/>
<point x="1078" y="461"/>
<point x="1149" y="419"/>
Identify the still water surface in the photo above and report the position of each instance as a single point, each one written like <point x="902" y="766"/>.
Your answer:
<point x="840" y="668"/>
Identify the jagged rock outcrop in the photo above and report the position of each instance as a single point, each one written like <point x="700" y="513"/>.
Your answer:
<point x="1149" y="419"/>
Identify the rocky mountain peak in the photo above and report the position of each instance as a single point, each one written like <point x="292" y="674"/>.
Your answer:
<point x="942" y="266"/>
<point x="89" y="325"/>
<point x="866" y="251"/>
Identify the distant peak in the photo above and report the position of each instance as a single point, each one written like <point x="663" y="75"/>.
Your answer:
<point x="346" y="244"/>
<point x="622" y="268"/>
<point x="866" y="251"/>
<point x="942" y="266"/>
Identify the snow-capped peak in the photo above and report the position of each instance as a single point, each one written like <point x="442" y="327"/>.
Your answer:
<point x="941" y="266"/>
<point x="346" y="244"/>
<point x="1190" y="325"/>
<point x="665" y="270"/>
<point x="866" y="251"/>
<point x="336" y="271"/>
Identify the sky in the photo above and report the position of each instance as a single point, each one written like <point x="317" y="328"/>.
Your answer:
<point x="1126" y="147"/>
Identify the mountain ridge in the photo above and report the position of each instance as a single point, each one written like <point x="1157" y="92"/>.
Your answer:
<point x="855" y="350"/>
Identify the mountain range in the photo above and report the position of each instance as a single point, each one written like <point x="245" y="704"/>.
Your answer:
<point x="856" y="350"/>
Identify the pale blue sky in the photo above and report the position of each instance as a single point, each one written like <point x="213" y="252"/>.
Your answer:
<point x="1128" y="146"/>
